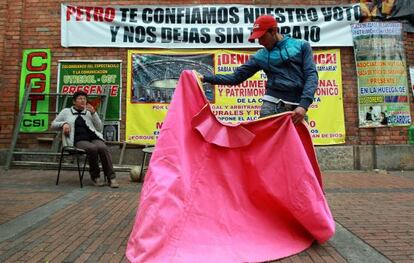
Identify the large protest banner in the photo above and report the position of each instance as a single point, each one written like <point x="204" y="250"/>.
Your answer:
<point x="35" y="78"/>
<point x="93" y="77"/>
<point x="206" y="26"/>
<point x="152" y="77"/>
<point x="382" y="75"/>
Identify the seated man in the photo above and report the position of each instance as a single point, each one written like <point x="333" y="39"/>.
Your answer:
<point x="83" y="126"/>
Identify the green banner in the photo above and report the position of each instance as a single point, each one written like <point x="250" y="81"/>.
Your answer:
<point x="35" y="77"/>
<point x="93" y="77"/>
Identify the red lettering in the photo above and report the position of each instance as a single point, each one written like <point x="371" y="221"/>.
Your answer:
<point x="233" y="59"/>
<point x="158" y="125"/>
<point x="33" y="102"/>
<point x="78" y="13"/>
<point x="312" y="124"/>
<point x="70" y="10"/>
<point x="29" y="62"/>
<point x="114" y="91"/>
<point x="87" y="13"/>
<point x="88" y="10"/>
<point x="72" y="89"/>
<point x="109" y="14"/>
<point x="324" y="58"/>
<point x="98" y="14"/>
<point x="40" y="84"/>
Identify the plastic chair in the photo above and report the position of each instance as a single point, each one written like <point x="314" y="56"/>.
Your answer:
<point x="71" y="150"/>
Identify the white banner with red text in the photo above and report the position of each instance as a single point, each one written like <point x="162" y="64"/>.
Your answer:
<point x="195" y="26"/>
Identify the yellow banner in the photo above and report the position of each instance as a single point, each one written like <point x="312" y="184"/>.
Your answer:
<point x="152" y="77"/>
<point x="326" y="114"/>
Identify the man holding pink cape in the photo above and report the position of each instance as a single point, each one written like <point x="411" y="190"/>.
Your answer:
<point x="218" y="192"/>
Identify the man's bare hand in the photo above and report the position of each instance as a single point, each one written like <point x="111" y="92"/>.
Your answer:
<point x="66" y="129"/>
<point x="298" y="115"/>
<point x="200" y="76"/>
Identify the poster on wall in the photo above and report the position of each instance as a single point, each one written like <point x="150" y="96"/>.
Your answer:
<point x="98" y="79"/>
<point x="111" y="131"/>
<point x="381" y="74"/>
<point x="412" y="79"/>
<point x="35" y="78"/>
<point x="401" y="10"/>
<point x="195" y="26"/>
<point x="153" y="75"/>
<point x="326" y="113"/>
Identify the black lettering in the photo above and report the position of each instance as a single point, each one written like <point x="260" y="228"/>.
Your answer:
<point x="133" y="15"/>
<point x="222" y="15"/>
<point x="205" y="35"/>
<point x="312" y="14"/>
<point x="151" y="34"/>
<point x="194" y="37"/>
<point x="114" y="32"/>
<point x="196" y="16"/>
<point x="237" y="35"/>
<point x="327" y="13"/>
<point x="290" y="13"/>
<point x="221" y="37"/>
<point x="248" y="15"/>
<point x="348" y="11"/>
<point x="146" y="15"/>
<point x="27" y="123"/>
<point x="234" y="17"/>
<point x="300" y="14"/>
<point x="357" y="12"/>
<point x="129" y="34"/>
<point x="124" y="12"/>
<point x="209" y="16"/>
<point x="180" y="15"/>
<point x="315" y="35"/>
<point x="170" y="16"/>
<point x="338" y="13"/>
<point x="285" y="30"/>
<point x="166" y="35"/>
<point x="280" y="17"/>
<point x="159" y="15"/>
<point x="296" y="32"/>
<point x="140" y="34"/>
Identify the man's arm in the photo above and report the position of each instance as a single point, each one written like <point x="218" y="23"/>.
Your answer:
<point x="311" y="83"/>
<point x="242" y="73"/>
<point x="311" y="77"/>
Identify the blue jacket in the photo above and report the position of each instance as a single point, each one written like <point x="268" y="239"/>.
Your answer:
<point x="291" y="72"/>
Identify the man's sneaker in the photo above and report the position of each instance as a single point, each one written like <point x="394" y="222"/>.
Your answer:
<point x="113" y="183"/>
<point x="98" y="182"/>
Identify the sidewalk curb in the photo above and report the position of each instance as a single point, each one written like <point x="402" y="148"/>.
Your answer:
<point x="353" y="249"/>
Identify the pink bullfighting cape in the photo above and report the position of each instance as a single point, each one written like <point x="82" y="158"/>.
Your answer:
<point x="216" y="192"/>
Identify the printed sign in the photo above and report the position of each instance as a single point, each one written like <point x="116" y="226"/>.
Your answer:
<point x="382" y="75"/>
<point x="35" y="78"/>
<point x="153" y="75"/>
<point x="207" y="26"/>
<point x="96" y="78"/>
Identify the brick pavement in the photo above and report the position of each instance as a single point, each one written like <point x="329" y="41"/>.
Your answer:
<point x="65" y="223"/>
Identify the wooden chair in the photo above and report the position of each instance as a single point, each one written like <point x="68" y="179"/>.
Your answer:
<point x="68" y="151"/>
